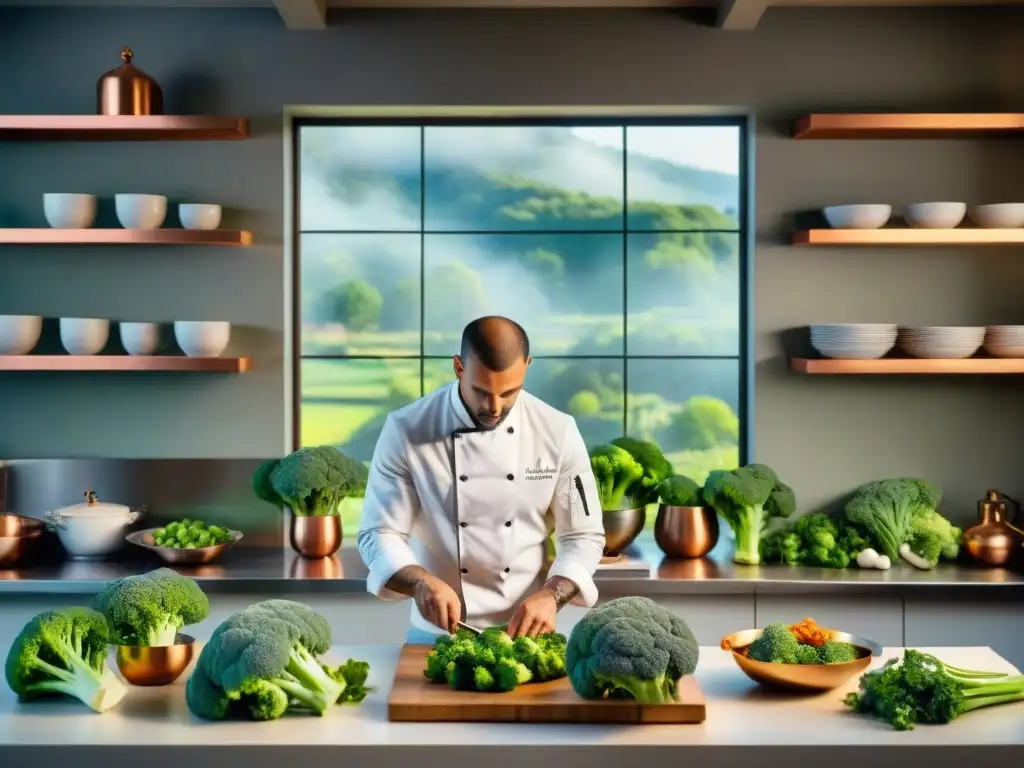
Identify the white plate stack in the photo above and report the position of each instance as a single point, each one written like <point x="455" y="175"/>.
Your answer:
<point x="941" y="342"/>
<point x="1005" y="340"/>
<point x="853" y="341"/>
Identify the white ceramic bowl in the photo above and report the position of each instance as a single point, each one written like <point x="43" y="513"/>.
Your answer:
<point x="202" y="338"/>
<point x="140" y="338"/>
<point x="68" y="210"/>
<point x="141" y="211"/>
<point x="998" y="215"/>
<point x="199" y="215"/>
<point x="857" y="216"/>
<point x="935" y="215"/>
<point x="19" y="334"/>
<point x="84" y="335"/>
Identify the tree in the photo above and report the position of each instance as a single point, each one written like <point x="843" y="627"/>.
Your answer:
<point x="356" y="304"/>
<point x="706" y="422"/>
<point x="585" y="403"/>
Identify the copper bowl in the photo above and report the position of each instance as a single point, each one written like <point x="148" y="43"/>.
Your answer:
<point x="155" y="665"/>
<point x="800" y="677"/>
<point x="621" y="527"/>
<point x="315" y="537"/>
<point x="686" y="531"/>
<point x="17" y="535"/>
<point x="175" y="556"/>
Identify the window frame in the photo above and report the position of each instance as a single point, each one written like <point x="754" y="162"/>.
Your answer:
<point x="298" y="117"/>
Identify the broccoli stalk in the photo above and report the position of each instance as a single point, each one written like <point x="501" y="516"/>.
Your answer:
<point x="305" y="680"/>
<point x="64" y="652"/>
<point x="616" y="473"/>
<point x="657" y="690"/>
<point x="747" y="498"/>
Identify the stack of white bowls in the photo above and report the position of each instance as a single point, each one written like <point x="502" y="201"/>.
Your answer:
<point x="945" y="342"/>
<point x="854" y="341"/>
<point x="1005" y="340"/>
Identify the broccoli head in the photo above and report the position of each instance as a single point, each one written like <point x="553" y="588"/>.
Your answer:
<point x="263" y="663"/>
<point x="352" y="677"/>
<point x="64" y="652"/>
<point x="656" y="468"/>
<point x="311" y="481"/>
<point x="776" y="645"/>
<point x="630" y="647"/>
<point x="150" y="609"/>
<point x="617" y="475"/>
<point x="807" y="654"/>
<point x="886" y="509"/>
<point x="747" y="499"/>
<point x="261" y="483"/>
<point x="932" y="537"/>
<point x="837" y="652"/>
<point x="680" y="491"/>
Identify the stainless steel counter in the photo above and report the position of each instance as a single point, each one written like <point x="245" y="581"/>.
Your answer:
<point x="269" y="571"/>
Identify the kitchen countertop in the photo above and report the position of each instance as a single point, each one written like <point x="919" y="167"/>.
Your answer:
<point x="253" y="569"/>
<point x="740" y="715"/>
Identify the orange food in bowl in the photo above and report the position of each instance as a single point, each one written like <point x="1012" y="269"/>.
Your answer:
<point x="807" y="632"/>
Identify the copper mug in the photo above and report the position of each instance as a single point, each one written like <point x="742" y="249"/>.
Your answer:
<point x="686" y="531"/>
<point x="315" y="536"/>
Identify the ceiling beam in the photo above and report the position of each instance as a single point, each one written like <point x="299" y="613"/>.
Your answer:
<point x="740" y="15"/>
<point x="303" y="14"/>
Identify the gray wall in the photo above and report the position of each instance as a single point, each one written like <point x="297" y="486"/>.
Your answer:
<point x="823" y="435"/>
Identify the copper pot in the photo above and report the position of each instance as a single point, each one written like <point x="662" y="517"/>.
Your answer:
<point x="994" y="541"/>
<point x="686" y="531"/>
<point x="314" y="537"/>
<point x="128" y="90"/>
<point x="17" y="535"/>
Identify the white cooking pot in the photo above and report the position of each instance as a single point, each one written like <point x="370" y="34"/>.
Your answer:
<point x="93" y="529"/>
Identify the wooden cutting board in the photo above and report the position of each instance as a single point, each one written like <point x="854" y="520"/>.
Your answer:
<point x="414" y="699"/>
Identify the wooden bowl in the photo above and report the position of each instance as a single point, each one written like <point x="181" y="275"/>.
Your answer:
<point x="800" y="677"/>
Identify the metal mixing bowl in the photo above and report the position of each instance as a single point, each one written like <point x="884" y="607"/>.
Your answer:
<point x="621" y="527"/>
<point x="176" y="556"/>
<point x="801" y="677"/>
<point x="17" y="535"/>
<point x="155" y="665"/>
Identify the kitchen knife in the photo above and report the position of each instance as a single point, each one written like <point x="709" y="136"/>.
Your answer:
<point x="465" y="626"/>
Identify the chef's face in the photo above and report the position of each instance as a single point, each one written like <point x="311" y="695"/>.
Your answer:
<point x="489" y="395"/>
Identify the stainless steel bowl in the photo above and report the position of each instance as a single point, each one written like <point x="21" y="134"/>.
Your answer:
<point x="175" y="556"/>
<point x="17" y="535"/>
<point x="802" y="677"/>
<point x="621" y="527"/>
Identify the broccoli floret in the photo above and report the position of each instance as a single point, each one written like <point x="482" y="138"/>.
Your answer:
<point x="616" y="473"/>
<point x="680" y="491"/>
<point x="923" y="689"/>
<point x="492" y="660"/>
<point x="776" y="645"/>
<point x="263" y="662"/>
<point x="312" y="481"/>
<point x="807" y="654"/>
<point x="887" y="509"/>
<point x="352" y="677"/>
<point x="932" y="537"/>
<point x="64" y="652"/>
<point x="630" y="647"/>
<point x="747" y="498"/>
<point x="836" y="652"/>
<point x="150" y="609"/>
<point x="780" y="546"/>
<point x="656" y="469"/>
<point x="819" y="539"/>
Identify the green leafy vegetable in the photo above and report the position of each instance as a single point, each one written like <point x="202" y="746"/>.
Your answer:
<point x="311" y="481"/>
<point x="150" y="609"/>
<point x="616" y="473"/>
<point x="655" y="466"/>
<point x="680" y="491"/>
<point x="493" y="661"/>
<point x="191" y="534"/>
<point x="747" y="499"/>
<point x="933" y="537"/>
<point x="886" y="509"/>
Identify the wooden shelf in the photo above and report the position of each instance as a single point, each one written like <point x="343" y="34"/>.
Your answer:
<point x="895" y="366"/>
<point x="894" y="236"/>
<point x="908" y="125"/>
<point x="124" y="363"/>
<point x="122" y="128"/>
<point x="125" y="237"/>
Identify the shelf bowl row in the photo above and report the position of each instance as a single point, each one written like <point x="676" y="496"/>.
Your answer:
<point x="78" y="211"/>
<point x="926" y="215"/>
<point x="871" y="341"/>
<point x="19" y="335"/>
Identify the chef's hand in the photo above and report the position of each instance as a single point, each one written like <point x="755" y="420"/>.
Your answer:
<point x="535" y="615"/>
<point x="438" y="603"/>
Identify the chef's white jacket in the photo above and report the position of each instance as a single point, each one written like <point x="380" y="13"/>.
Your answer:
<point x="474" y="507"/>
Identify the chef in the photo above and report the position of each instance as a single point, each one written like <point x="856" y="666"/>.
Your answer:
<point x="466" y="485"/>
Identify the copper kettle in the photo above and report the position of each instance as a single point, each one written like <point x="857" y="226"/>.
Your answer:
<point x="994" y="540"/>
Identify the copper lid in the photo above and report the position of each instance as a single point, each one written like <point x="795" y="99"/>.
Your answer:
<point x="128" y="90"/>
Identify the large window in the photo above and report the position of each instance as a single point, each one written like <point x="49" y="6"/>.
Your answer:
<point x="618" y="244"/>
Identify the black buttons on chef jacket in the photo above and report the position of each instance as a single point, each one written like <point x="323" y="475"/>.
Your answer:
<point x="465" y="570"/>
<point x="463" y="478"/>
<point x="463" y="524"/>
<point x="508" y="523"/>
<point x="510" y="476"/>
<point x="510" y="430"/>
<point x="507" y="570"/>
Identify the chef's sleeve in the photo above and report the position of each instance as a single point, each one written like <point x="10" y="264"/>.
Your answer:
<point x="579" y="528"/>
<point x="389" y="509"/>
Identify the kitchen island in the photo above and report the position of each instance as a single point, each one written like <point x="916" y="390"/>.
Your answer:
<point x="153" y="726"/>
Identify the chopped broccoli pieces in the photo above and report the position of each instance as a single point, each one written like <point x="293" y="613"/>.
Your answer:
<point x="493" y="661"/>
<point x="836" y="652"/>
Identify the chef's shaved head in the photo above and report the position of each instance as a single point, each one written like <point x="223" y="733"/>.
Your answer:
<point x="491" y="367"/>
<point x="497" y="342"/>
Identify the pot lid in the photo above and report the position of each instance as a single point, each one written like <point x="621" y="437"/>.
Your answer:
<point x="93" y="506"/>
